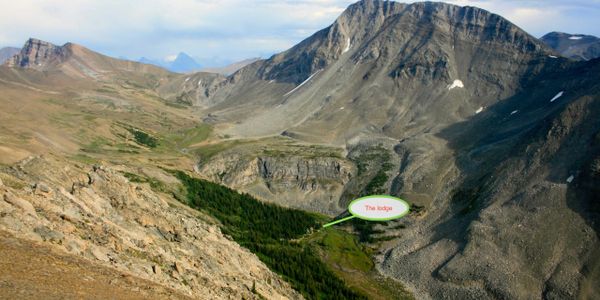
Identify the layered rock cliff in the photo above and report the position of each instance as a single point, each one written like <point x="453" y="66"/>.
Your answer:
<point x="37" y="54"/>
<point x="300" y="179"/>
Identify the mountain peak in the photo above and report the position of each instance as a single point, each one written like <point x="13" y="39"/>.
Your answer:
<point x="575" y="46"/>
<point x="183" y="63"/>
<point x="370" y="29"/>
<point x="37" y="53"/>
<point x="183" y="55"/>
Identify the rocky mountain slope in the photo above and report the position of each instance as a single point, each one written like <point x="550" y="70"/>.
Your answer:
<point x="575" y="46"/>
<point x="417" y="51"/>
<point x="67" y="98"/>
<point x="485" y="127"/>
<point x="99" y="215"/>
<point x="417" y="69"/>
<point x="118" y="235"/>
<point x="521" y="222"/>
<point x="31" y="270"/>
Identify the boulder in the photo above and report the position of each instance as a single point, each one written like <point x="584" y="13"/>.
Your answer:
<point x="20" y="203"/>
<point x="156" y="269"/>
<point x="178" y="268"/>
<point x="49" y="235"/>
<point x="41" y="188"/>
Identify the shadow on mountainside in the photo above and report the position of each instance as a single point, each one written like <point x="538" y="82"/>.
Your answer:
<point x="500" y="149"/>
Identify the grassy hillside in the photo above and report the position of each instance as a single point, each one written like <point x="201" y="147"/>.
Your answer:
<point x="320" y="263"/>
<point x="272" y="233"/>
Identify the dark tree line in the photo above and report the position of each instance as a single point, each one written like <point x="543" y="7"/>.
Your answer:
<point x="268" y="230"/>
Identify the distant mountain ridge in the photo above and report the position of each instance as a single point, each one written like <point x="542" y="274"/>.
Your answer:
<point x="575" y="46"/>
<point x="182" y="63"/>
<point x="8" y="52"/>
<point x="75" y="62"/>
<point x="38" y="54"/>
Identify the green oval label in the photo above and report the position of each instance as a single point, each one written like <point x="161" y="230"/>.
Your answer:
<point x="379" y="208"/>
<point x="375" y="208"/>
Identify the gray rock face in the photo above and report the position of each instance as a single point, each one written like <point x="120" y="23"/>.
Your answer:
<point x="575" y="46"/>
<point x="300" y="172"/>
<point x="521" y="220"/>
<point x="355" y="25"/>
<point x="37" y="54"/>
<point x="292" y="180"/>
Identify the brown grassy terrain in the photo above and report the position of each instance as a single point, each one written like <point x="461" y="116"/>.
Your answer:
<point x="34" y="271"/>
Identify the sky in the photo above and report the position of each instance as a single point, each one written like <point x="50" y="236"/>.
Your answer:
<point x="217" y="32"/>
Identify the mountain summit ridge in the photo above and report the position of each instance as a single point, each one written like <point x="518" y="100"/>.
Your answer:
<point x="574" y="46"/>
<point x="36" y="53"/>
<point x="420" y="48"/>
<point x="73" y="60"/>
<point x="363" y="21"/>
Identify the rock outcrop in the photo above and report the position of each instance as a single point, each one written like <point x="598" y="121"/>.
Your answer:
<point x="311" y="183"/>
<point x="97" y="214"/>
<point x="37" y="54"/>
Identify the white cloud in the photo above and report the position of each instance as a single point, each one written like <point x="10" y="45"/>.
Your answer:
<point x="171" y="58"/>
<point x="159" y="27"/>
<point x="532" y="18"/>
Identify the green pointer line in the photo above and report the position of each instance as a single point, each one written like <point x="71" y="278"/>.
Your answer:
<point x="338" y="221"/>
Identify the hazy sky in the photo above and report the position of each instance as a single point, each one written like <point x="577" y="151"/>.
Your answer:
<point x="229" y="30"/>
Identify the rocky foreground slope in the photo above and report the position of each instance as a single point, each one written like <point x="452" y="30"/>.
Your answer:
<point x="96" y="214"/>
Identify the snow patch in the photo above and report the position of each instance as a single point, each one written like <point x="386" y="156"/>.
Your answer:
<point x="557" y="96"/>
<point x="575" y="37"/>
<point x="347" y="46"/>
<point x="199" y="82"/>
<point x="514" y="112"/>
<point x="186" y="80"/>
<point x="171" y="58"/>
<point x="552" y="56"/>
<point x="342" y="108"/>
<point x="456" y="83"/>
<point x="303" y="82"/>
<point x="479" y="110"/>
<point x="272" y="80"/>
<point x="570" y="179"/>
